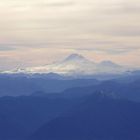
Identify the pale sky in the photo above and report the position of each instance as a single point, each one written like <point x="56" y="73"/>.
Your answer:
<point x="38" y="32"/>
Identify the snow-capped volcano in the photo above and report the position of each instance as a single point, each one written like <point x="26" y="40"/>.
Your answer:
<point x="73" y="64"/>
<point x="76" y="64"/>
<point x="75" y="57"/>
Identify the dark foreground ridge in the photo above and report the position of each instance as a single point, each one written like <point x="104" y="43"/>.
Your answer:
<point x="99" y="117"/>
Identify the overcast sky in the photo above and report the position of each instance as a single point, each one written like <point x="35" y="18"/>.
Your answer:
<point x="37" y="32"/>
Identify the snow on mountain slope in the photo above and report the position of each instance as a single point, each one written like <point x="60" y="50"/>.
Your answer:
<point x="73" y="64"/>
<point x="76" y="64"/>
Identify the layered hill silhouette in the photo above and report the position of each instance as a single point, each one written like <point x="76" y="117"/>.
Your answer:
<point x="18" y="85"/>
<point x="22" y="116"/>
<point x="53" y="107"/>
<point x="98" y="117"/>
<point x="104" y="111"/>
<point x="124" y="90"/>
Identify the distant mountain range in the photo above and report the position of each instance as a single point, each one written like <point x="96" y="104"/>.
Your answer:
<point x="20" y="84"/>
<point x="114" y="88"/>
<point x="54" y="107"/>
<point x="105" y="111"/>
<point x="74" y="65"/>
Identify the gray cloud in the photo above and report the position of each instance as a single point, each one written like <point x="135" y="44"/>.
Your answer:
<point x="131" y="31"/>
<point x="4" y="47"/>
<point x="112" y="51"/>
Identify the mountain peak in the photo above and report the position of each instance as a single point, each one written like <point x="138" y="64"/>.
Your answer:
<point x="109" y="63"/>
<point x="75" y="57"/>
